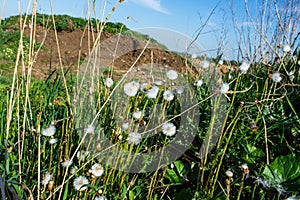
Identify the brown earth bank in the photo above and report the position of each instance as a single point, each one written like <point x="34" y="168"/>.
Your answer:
<point x="119" y="51"/>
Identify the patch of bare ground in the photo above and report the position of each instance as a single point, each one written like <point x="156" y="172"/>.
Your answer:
<point x="73" y="46"/>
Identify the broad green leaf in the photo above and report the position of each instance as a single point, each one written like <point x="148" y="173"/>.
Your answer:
<point x="172" y="176"/>
<point x="284" y="170"/>
<point x="252" y="154"/>
<point x="175" y="174"/>
<point x="180" y="167"/>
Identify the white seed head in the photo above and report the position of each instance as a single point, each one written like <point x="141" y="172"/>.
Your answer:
<point x="131" y="88"/>
<point x="286" y="48"/>
<point x="198" y="83"/>
<point x="134" y="138"/>
<point x="169" y="129"/>
<point x="276" y="77"/>
<point x="108" y="82"/>
<point x="79" y="183"/>
<point x="224" y="88"/>
<point x="244" y="67"/>
<point x="229" y="173"/>
<point x="205" y="64"/>
<point x="50" y="131"/>
<point x="168" y="95"/>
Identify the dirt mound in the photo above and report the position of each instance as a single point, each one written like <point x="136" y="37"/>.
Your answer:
<point x="76" y="45"/>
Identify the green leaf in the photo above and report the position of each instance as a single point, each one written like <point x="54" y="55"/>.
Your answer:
<point x="172" y="176"/>
<point x="285" y="170"/>
<point x="175" y="174"/>
<point x="131" y="195"/>
<point x="183" y="194"/>
<point x="252" y="154"/>
<point x="180" y="167"/>
<point x="66" y="192"/>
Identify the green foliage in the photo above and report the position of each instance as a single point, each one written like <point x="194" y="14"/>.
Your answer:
<point x="284" y="173"/>
<point x="65" y="23"/>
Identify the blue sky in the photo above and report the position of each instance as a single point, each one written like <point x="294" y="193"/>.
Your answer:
<point x="171" y="18"/>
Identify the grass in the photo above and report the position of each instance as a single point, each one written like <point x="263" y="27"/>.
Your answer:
<point x="251" y="131"/>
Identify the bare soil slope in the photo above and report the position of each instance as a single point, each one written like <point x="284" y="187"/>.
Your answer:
<point x="76" y="45"/>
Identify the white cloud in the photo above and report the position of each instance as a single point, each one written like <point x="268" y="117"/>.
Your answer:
<point x="153" y="4"/>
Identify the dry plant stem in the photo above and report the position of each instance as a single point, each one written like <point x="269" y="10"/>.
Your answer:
<point x="12" y="100"/>
<point x="266" y="135"/>
<point x="228" y="191"/>
<point x="59" y="56"/>
<point x="21" y="139"/>
<point x="211" y="127"/>
<point x="97" y="40"/>
<point x="231" y="125"/>
<point x="67" y="168"/>
<point x="223" y="154"/>
<point x="39" y="160"/>
<point x="154" y="180"/>
<point x="2" y="10"/>
<point x="241" y="187"/>
<point x="202" y="26"/>
<point x="218" y="146"/>
<point x="118" y="84"/>
<point x="131" y="183"/>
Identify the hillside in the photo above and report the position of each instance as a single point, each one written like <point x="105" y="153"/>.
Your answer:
<point x="75" y="40"/>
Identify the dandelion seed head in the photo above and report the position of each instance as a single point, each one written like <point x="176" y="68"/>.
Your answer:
<point x="50" y="131"/>
<point x="100" y="198"/>
<point x="224" y="88"/>
<point x="244" y="67"/>
<point x="198" y="83"/>
<point x="205" y="64"/>
<point x="137" y="115"/>
<point x="244" y="166"/>
<point x="180" y="90"/>
<point x="89" y="129"/>
<point x="172" y="74"/>
<point x="97" y="170"/>
<point x="169" y="129"/>
<point x="263" y="182"/>
<point x="152" y="93"/>
<point x="125" y="125"/>
<point x="134" y="138"/>
<point x="145" y="86"/>
<point x="73" y="169"/>
<point x="47" y="177"/>
<point x="291" y="75"/>
<point x="108" y="82"/>
<point x="159" y="82"/>
<point x="229" y="173"/>
<point x="293" y="198"/>
<point x="286" y="48"/>
<point x="79" y="183"/>
<point x="276" y="77"/>
<point x="168" y="95"/>
<point x="81" y="155"/>
<point x="131" y="88"/>
<point x="53" y="140"/>
<point x="67" y="163"/>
